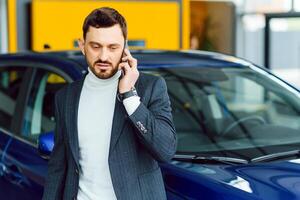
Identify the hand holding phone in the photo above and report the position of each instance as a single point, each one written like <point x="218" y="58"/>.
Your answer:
<point x="123" y="55"/>
<point x="130" y="74"/>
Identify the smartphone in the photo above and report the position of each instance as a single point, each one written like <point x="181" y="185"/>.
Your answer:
<point x="123" y="55"/>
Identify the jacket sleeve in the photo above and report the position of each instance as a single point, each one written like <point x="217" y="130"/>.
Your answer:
<point x="57" y="164"/>
<point x="155" y="124"/>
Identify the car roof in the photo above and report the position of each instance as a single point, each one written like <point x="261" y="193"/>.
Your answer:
<point x="74" y="63"/>
<point x="161" y="58"/>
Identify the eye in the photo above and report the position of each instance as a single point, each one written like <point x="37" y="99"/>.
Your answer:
<point x="113" y="47"/>
<point x="95" y="46"/>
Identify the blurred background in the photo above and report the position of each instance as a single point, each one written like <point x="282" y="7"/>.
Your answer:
<point x="265" y="32"/>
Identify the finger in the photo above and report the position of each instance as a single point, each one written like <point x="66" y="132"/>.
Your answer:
<point x="125" y="66"/>
<point x="121" y="65"/>
<point x="132" y="61"/>
<point x="127" y="52"/>
<point x="124" y="63"/>
<point x="125" y="58"/>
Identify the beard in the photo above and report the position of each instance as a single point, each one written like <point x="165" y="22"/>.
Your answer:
<point x="103" y="73"/>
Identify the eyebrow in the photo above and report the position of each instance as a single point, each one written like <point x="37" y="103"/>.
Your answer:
<point x="113" y="44"/>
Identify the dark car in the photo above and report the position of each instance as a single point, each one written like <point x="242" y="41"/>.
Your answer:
<point x="238" y="126"/>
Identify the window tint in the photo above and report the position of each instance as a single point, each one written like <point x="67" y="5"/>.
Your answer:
<point x="10" y="83"/>
<point x="39" y="115"/>
<point x="237" y="112"/>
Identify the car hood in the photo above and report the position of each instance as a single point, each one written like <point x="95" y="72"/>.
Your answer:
<point x="273" y="180"/>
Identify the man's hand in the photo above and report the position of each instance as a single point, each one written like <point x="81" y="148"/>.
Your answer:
<point x="131" y="74"/>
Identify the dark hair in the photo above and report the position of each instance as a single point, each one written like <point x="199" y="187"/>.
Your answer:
<point x="104" y="17"/>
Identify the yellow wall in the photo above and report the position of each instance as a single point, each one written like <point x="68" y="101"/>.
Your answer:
<point x="59" y="23"/>
<point x="186" y="9"/>
<point x="12" y="26"/>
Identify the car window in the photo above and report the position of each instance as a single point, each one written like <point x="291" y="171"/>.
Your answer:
<point x="10" y="83"/>
<point x="232" y="111"/>
<point x="39" y="113"/>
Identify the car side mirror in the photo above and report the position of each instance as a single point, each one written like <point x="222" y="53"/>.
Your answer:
<point x="45" y="144"/>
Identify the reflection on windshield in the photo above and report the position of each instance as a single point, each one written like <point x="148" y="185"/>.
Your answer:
<point x="237" y="112"/>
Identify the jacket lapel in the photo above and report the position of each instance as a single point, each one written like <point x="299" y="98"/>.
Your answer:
<point x="119" y="119"/>
<point x="120" y="116"/>
<point x="72" y="101"/>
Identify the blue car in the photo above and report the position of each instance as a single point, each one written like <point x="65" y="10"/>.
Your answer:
<point x="238" y="126"/>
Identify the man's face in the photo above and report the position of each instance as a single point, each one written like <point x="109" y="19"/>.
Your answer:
<point x="103" y="48"/>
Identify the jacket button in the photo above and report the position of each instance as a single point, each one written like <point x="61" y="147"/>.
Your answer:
<point x="76" y="171"/>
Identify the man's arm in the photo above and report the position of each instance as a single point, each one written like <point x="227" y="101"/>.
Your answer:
<point x="155" y="124"/>
<point x="57" y="164"/>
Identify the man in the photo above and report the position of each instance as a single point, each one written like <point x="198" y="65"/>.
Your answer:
<point x="113" y="126"/>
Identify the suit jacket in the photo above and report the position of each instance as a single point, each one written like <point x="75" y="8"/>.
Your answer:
<point x="138" y="143"/>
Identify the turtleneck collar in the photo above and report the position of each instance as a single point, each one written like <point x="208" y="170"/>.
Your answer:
<point x="92" y="80"/>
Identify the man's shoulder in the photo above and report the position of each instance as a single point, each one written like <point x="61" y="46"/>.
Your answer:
<point x="149" y="83"/>
<point x="146" y="78"/>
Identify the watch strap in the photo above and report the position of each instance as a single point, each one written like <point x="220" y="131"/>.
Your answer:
<point x="130" y="93"/>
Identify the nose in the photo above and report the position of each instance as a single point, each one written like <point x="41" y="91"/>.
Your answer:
<point x="103" y="56"/>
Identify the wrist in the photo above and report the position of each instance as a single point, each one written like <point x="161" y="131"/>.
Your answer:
<point x="125" y="89"/>
<point x="122" y="91"/>
<point x="123" y="95"/>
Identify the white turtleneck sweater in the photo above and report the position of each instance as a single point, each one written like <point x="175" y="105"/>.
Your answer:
<point x="95" y="116"/>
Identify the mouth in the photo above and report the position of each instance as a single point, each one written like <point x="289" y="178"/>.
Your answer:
<point x="102" y="66"/>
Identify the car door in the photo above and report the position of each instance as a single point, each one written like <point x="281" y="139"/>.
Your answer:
<point x="37" y="113"/>
<point x="13" y="85"/>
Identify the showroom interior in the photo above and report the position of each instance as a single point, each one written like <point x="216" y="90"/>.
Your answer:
<point x="252" y="30"/>
<point x="222" y="81"/>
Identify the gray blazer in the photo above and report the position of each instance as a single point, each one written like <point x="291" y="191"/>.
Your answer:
<point x="138" y="143"/>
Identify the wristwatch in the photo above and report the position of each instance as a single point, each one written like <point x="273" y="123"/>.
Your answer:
<point x="130" y="93"/>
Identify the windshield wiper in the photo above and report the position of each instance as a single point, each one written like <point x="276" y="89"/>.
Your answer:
<point x="276" y="156"/>
<point x="219" y="159"/>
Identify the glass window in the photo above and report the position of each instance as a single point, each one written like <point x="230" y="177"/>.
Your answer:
<point x="265" y="6"/>
<point x="39" y="115"/>
<point x="3" y="27"/>
<point x="297" y="5"/>
<point x="284" y="48"/>
<point x="236" y="112"/>
<point x="251" y="38"/>
<point x="10" y="83"/>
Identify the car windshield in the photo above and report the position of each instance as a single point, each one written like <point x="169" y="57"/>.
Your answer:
<point x="241" y="112"/>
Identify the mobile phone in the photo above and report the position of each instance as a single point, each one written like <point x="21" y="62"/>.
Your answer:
<point x="123" y="55"/>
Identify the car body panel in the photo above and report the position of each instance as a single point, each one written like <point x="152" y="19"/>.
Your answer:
<point x="27" y="169"/>
<point x="276" y="180"/>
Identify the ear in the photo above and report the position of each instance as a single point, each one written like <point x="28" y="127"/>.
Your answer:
<point x="81" y="45"/>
